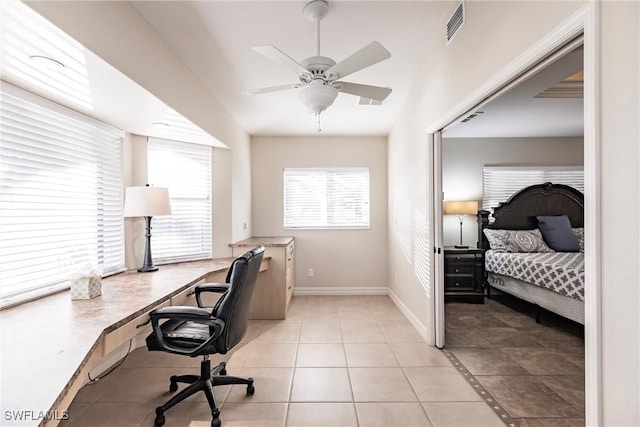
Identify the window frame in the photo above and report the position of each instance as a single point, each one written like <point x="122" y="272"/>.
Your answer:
<point x="326" y="208"/>
<point x="45" y="113"/>
<point x="177" y="201"/>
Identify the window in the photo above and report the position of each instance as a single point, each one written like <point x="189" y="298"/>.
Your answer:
<point x="499" y="183"/>
<point x="60" y="196"/>
<point x="185" y="169"/>
<point x="326" y="198"/>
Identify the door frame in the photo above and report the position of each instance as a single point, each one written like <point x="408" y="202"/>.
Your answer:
<point x="584" y="22"/>
<point x="438" y="252"/>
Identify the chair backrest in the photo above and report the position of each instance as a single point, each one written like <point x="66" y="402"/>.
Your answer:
<point x="235" y="303"/>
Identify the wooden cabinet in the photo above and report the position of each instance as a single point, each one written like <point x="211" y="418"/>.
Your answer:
<point x="275" y="286"/>
<point x="464" y="274"/>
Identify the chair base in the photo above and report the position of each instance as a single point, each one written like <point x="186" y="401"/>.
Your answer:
<point x="208" y="379"/>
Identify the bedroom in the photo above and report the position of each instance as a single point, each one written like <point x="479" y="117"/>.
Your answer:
<point x="509" y="145"/>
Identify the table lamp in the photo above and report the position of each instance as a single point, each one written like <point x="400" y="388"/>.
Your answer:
<point x="461" y="209"/>
<point x="147" y="202"/>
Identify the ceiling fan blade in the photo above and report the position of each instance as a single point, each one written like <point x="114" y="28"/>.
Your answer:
<point x="279" y="56"/>
<point x="271" y="89"/>
<point x="372" y="92"/>
<point x="371" y="54"/>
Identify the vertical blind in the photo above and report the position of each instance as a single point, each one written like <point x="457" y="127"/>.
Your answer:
<point x="60" y="196"/>
<point x="499" y="183"/>
<point x="326" y="198"/>
<point x="185" y="169"/>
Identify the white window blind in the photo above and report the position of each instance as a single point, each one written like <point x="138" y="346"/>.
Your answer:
<point x="499" y="183"/>
<point x="185" y="169"/>
<point x="326" y="198"/>
<point x="60" y="196"/>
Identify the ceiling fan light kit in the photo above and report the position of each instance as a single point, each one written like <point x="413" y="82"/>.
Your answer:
<point x="317" y="97"/>
<point x="319" y="75"/>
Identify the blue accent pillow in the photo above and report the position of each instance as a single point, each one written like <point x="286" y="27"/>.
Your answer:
<point x="557" y="233"/>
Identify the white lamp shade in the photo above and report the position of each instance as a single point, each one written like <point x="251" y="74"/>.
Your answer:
<point x="461" y="208"/>
<point x="146" y="201"/>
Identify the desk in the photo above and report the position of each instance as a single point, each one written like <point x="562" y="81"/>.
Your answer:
<point x="50" y="344"/>
<point x="274" y="290"/>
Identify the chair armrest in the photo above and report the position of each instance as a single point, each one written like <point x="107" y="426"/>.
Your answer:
<point x="185" y="313"/>
<point x="219" y="288"/>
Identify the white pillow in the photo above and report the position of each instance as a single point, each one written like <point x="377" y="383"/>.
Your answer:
<point x="516" y="240"/>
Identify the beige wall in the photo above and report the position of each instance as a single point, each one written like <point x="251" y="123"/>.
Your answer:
<point x="485" y="46"/>
<point x="463" y="159"/>
<point x="339" y="258"/>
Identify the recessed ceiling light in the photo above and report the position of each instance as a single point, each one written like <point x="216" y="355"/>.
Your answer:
<point x="47" y="62"/>
<point x="160" y="124"/>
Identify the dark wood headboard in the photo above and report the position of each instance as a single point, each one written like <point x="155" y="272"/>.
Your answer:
<point x="520" y="211"/>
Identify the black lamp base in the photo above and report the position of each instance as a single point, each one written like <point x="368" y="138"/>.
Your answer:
<point x="147" y="265"/>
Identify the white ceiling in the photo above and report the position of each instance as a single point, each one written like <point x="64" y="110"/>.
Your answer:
<point x="85" y="83"/>
<point x="214" y="39"/>
<point x="518" y="113"/>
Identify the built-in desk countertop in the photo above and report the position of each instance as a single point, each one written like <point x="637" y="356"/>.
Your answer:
<point x="49" y="344"/>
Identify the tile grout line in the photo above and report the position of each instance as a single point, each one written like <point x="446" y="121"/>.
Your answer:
<point x="482" y="392"/>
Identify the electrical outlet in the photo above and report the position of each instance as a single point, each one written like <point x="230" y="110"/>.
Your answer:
<point x="310" y="272"/>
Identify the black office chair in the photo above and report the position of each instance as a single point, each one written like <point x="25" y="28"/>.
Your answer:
<point x="200" y="331"/>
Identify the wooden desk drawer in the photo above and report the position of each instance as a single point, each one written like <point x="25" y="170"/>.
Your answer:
<point x="290" y="284"/>
<point x="186" y="297"/>
<point x="137" y="326"/>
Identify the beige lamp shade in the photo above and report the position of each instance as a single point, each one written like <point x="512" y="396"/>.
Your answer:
<point x="146" y="201"/>
<point x="461" y="208"/>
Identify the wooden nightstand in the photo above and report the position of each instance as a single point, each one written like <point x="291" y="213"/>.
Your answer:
<point x="464" y="274"/>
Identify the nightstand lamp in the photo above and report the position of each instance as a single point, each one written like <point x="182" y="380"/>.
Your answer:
<point x="461" y="209"/>
<point x="147" y="202"/>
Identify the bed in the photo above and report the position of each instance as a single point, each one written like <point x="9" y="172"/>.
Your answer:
<point x="518" y="261"/>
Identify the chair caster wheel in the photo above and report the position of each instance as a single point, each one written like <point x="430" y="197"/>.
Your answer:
<point x="250" y="390"/>
<point x="174" y="384"/>
<point x="216" y="422"/>
<point x="159" y="422"/>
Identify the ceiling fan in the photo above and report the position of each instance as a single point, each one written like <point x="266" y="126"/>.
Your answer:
<point x="319" y="75"/>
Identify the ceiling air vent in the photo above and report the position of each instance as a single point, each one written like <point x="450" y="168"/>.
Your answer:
<point x="455" y="23"/>
<point x="472" y="116"/>
<point x="368" y="101"/>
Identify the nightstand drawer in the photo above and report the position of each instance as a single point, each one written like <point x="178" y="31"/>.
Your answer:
<point x="461" y="283"/>
<point x="459" y="268"/>
<point x="455" y="258"/>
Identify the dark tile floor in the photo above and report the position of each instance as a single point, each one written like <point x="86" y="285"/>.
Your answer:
<point x="534" y="371"/>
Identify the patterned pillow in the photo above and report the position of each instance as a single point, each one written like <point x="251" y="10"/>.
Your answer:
<point x="516" y="240"/>
<point x="579" y="232"/>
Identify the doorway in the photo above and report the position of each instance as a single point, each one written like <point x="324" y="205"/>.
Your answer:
<point x="564" y="35"/>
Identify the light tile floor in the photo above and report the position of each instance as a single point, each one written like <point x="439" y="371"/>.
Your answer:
<point x="335" y="361"/>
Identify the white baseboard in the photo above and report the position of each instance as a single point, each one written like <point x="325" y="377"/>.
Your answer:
<point x="422" y="329"/>
<point x="339" y="290"/>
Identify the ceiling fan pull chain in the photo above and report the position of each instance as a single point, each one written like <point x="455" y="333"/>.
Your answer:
<point x="318" y="116"/>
